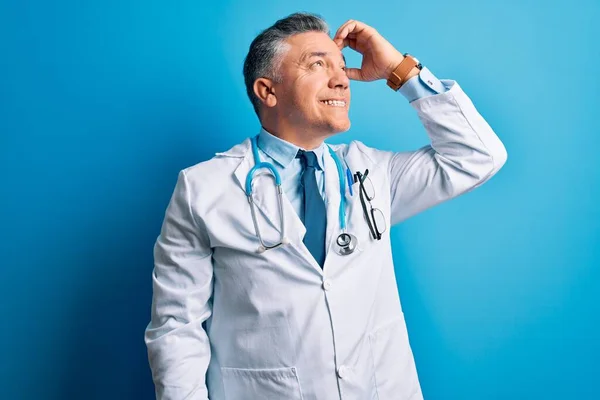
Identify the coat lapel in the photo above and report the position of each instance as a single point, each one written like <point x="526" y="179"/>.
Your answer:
<point x="355" y="220"/>
<point x="353" y="205"/>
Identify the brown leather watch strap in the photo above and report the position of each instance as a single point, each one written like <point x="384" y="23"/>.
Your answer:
<point x="398" y="76"/>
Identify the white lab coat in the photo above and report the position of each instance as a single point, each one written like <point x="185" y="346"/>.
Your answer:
<point x="277" y="325"/>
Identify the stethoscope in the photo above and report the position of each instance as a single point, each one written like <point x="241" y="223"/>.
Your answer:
<point x="345" y="242"/>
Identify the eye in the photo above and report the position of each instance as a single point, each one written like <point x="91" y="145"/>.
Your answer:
<point x="319" y="63"/>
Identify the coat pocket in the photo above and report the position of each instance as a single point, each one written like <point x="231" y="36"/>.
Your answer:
<point x="394" y="367"/>
<point x="267" y="384"/>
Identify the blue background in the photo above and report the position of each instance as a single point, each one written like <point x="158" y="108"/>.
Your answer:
<point x="102" y="103"/>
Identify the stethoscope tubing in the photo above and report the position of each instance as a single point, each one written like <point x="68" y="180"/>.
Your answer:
<point x="351" y="239"/>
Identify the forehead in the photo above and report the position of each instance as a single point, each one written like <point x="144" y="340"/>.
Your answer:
<point x="303" y="45"/>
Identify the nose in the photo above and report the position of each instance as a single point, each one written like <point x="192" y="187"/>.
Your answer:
<point x="339" y="79"/>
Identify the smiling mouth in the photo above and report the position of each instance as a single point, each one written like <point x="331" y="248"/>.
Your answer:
<point x="334" y="103"/>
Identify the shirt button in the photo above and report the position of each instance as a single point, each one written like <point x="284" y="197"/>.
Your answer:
<point x="343" y="372"/>
<point x="327" y="284"/>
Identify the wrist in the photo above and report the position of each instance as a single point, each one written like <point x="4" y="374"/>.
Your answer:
<point x="396" y="60"/>
<point x="408" y="68"/>
<point x="413" y="72"/>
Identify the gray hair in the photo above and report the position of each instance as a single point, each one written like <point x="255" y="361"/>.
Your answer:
<point x="267" y="49"/>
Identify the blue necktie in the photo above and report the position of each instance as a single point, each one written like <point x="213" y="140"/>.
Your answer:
<point x="315" y="213"/>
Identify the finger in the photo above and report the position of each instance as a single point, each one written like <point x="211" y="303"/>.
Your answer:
<point x="339" y="30"/>
<point x="348" y="42"/>
<point x="354" y="74"/>
<point x="350" y="27"/>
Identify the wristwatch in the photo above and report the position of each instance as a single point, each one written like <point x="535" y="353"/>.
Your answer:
<point x="398" y="76"/>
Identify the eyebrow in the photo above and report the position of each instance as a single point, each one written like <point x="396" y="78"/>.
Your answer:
<point x="306" y="56"/>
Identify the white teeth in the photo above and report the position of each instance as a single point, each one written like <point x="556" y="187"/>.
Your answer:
<point x="335" y="103"/>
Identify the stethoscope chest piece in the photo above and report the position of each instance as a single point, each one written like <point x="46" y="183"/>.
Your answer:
<point x="345" y="244"/>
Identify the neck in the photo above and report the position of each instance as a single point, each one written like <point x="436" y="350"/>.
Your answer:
<point x="304" y="139"/>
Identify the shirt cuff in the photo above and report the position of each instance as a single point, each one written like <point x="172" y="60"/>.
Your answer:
<point x="422" y="85"/>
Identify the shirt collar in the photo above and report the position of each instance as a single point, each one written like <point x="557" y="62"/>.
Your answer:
<point x="284" y="152"/>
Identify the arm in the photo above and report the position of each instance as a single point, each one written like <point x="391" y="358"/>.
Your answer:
<point x="464" y="150"/>
<point x="178" y="347"/>
<point x="463" y="154"/>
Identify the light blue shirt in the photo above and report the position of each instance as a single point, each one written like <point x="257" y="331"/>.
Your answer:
<point x="423" y="85"/>
<point x="282" y="154"/>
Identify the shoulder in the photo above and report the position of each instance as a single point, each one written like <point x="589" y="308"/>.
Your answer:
<point x="218" y="171"/>
<point x="221" y="162"/>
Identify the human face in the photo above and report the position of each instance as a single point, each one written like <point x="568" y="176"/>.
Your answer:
<point x="314" y="94"/>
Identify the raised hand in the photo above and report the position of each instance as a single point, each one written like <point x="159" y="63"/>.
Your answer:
<point x="380" y="58"/>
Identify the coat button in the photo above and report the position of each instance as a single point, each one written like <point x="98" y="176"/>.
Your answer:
<point x="327" y="284"/>
<point x="343" y="372"/>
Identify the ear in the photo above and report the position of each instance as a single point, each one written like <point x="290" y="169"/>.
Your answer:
<point x="265" y="91"/>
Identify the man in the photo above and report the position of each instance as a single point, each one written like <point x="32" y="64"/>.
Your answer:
<point x="309" y="318"/>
